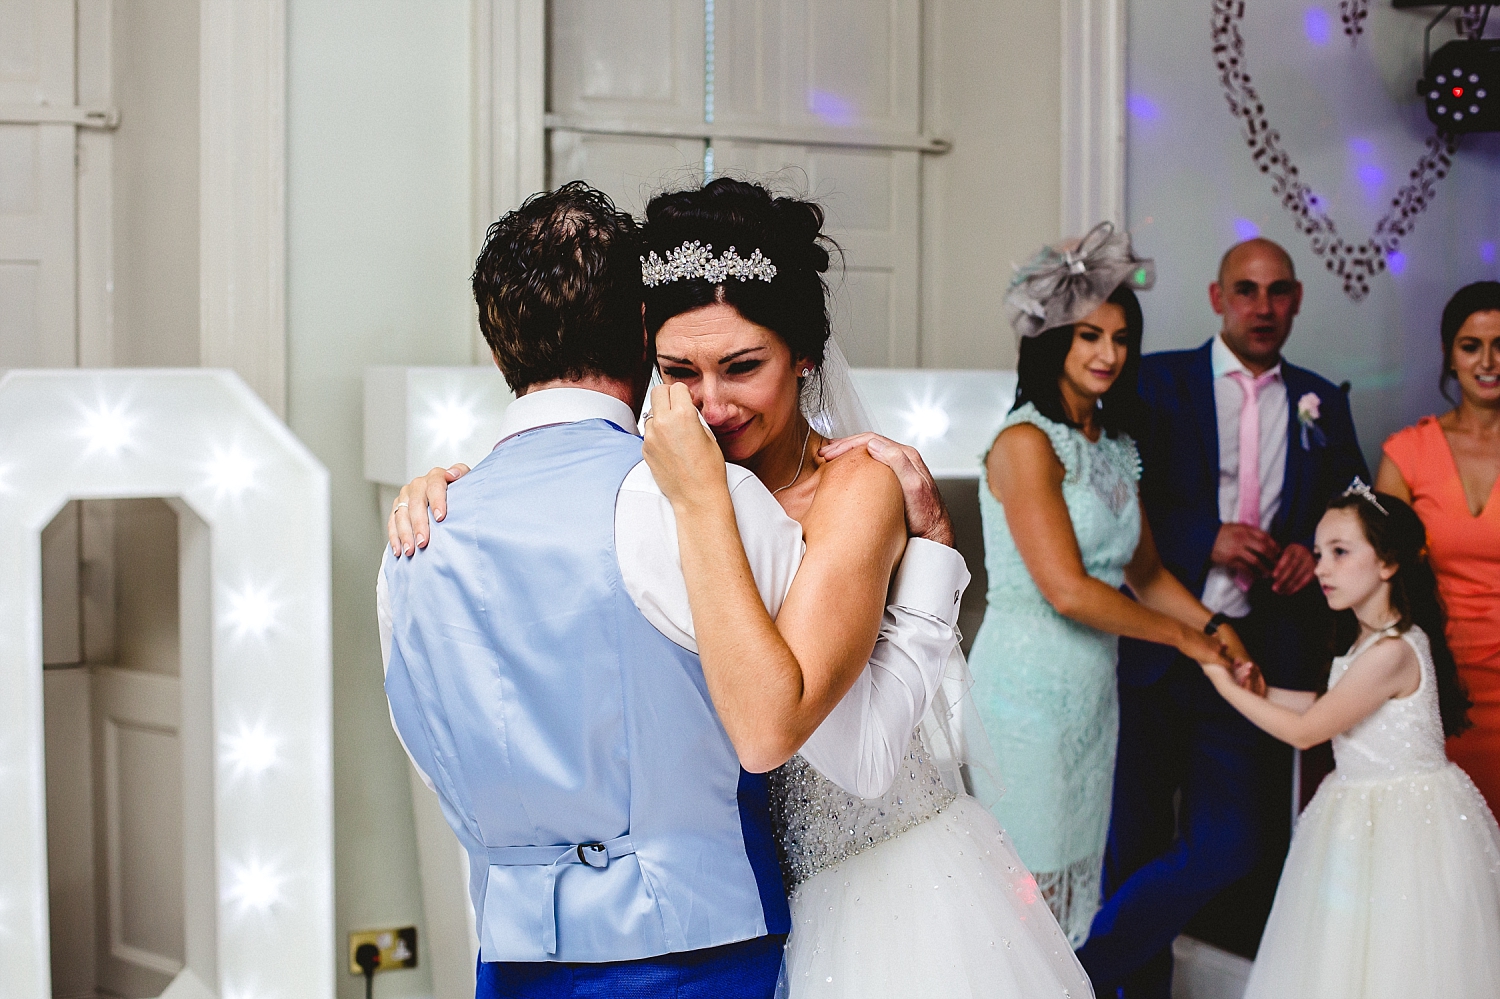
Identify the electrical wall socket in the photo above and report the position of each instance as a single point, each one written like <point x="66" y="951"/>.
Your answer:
<point x="398" y="947"/>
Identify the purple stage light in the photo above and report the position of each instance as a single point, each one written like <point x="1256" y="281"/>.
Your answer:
<point x="1143" y="108"/>
<point x="831" y="108"/>
<point x="1487" y="252"/>
<point x="1245" y="229"/>
<point x="1372" y="178"/>
<point x="1396" y="261"/>
<point x="1318" y="26"/>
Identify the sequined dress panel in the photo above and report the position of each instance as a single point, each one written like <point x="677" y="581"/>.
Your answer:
<point x="818" y="824"/>
<point x="1044" y="685"/>
<point x="1404" y="736"/>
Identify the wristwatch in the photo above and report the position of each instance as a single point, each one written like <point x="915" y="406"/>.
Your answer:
<point x="1214" y="622"/>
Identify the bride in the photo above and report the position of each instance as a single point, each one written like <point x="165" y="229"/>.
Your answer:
<point x="918" y="891"/>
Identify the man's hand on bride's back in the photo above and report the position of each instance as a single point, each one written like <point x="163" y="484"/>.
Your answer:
<point x="684" y="458"/>
<point x="406" y="527"/>
<point x="926" y="513"/>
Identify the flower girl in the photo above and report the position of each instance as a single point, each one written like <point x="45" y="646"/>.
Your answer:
<point x="1392" y="884"/>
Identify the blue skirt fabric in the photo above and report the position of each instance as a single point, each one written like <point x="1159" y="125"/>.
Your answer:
<point x="745" y="970"/>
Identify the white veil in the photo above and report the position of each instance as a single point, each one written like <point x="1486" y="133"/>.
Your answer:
<point x="951" y="727"/>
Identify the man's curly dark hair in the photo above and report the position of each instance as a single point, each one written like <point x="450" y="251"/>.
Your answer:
<point x="558" y="285"/>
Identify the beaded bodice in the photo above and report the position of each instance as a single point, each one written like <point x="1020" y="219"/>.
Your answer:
<point x="818" y="824"/>
<point x="1405" y="734"/>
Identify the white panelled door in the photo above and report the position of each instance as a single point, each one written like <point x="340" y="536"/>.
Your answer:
<point x="138" y="830"/>
<point x="38" y="284"/>
<point x="818" y="98"/>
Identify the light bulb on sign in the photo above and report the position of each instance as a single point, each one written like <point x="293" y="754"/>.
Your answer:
<point x="451" y="422"/>
<point x="254" y="886"/>
<point x="251" y="612"/>
<point x="926" y="421"/>
<point x="229" y="473"/>
<point x="251" y="750"/>
<point x="106" y="429"/>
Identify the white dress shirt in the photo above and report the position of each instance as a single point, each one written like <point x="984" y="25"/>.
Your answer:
<point x="1220" y="593"/>
<point x="860" y="744"/>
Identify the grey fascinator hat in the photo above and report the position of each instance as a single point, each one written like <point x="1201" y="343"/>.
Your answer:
<point x="1062" y="284"/>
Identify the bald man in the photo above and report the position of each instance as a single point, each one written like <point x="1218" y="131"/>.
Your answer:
<point x="1241" y="453"/>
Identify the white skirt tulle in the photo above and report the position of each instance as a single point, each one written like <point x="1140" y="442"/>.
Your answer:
<point x="944" y="909"/>
<point x="1391" y="889"/>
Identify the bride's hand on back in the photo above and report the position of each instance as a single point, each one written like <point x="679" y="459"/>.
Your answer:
<point x="406" y="527"/>
<point x="683" y="456"/>
<point x="926" y="513"/>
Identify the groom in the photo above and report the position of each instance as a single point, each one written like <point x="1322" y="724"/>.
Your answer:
<point x="616" y="846"/>
<point x="1241" y="453"/>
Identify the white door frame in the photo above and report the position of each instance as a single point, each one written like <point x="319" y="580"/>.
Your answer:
<point x="256" y="663"/>
<point x="1093" y="114"/>
<point x="242" y="193"/>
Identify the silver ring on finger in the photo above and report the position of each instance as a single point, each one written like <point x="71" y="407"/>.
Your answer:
<point x="399" y="506"/>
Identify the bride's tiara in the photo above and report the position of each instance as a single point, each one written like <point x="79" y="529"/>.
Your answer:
<point x="696" y="260"/>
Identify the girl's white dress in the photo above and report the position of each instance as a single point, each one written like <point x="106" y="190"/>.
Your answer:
<point x="916" y="893"/>
<point x="1392" y="885"/>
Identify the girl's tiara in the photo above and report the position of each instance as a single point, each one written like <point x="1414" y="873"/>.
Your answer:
<point x="1364" y="492"/>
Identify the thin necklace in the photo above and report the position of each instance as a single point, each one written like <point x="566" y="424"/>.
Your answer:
<point x="805" y="438"/>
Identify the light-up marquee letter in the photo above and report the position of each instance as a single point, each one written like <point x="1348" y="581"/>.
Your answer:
<point x="256" y="714"/>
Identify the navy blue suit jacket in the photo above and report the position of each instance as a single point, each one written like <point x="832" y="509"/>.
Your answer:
<point x="1179" y="448"/>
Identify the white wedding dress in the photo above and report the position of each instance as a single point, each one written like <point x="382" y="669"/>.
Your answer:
<point x="918" y="892"/>
<point x="1391" y="889"/>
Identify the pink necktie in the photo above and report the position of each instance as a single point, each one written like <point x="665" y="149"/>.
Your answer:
<point x="1249" y="474"/>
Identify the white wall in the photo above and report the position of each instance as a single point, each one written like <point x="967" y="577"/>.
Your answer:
<point x="1350" y="118"/>
<point x="155" y="290"/>
<point x="378" y="256"/>
<point x="993" y="88"/>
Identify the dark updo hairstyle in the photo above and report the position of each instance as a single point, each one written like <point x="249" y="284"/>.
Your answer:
<point x="1399" y="539"/>
<point x="558" y="285"/>
<point x="1481" y="296"/>
<point x="1041" y="366"/>
<point x="728" y="213"/>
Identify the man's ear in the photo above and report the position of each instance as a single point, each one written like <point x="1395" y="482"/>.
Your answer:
<point x="1216" y="297"/>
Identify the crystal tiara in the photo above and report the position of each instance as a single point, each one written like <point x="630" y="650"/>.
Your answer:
<point x="1364" y="492"/>
<point x="696" y="260"/>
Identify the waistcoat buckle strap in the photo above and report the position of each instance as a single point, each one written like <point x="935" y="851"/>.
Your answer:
<point x="594" y="855"/>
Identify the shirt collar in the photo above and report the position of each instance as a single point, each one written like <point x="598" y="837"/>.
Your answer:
<point x="1224" y="361"/>
<point x="547" y="407"/>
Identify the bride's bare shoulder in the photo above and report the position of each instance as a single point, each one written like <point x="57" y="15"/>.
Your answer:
<point x="855" y="480"/>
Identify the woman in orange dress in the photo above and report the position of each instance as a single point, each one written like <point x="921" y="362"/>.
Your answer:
<point x="1448" y="468"/>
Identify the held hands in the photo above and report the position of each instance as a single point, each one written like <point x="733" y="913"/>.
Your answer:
<point x="406" y="527"/>
<point x="681" y="451"/>
<point x="1248" y="549"/>
<point x="1239" y="671"/>
<point x="926" y="513"/>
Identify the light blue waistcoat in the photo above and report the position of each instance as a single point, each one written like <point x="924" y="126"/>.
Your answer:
<point x="574" y="748"/>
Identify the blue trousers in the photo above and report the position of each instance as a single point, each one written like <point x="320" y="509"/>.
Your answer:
<point x="1167" y="857"/>
<point x="745" y="970"/>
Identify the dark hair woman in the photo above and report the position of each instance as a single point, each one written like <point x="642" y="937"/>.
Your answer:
<point x="735" y="302"/>
<point x="1447" y="467"/>
<point x="1063" y="530"/>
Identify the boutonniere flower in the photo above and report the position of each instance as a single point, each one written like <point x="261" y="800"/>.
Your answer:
<point x="1308" y="410"/>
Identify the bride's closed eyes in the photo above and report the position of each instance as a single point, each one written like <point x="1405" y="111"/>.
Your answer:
<point x="680" y="369"/>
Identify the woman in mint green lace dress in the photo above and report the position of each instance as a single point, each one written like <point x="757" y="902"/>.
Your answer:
<point x="1063" y="530"/>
